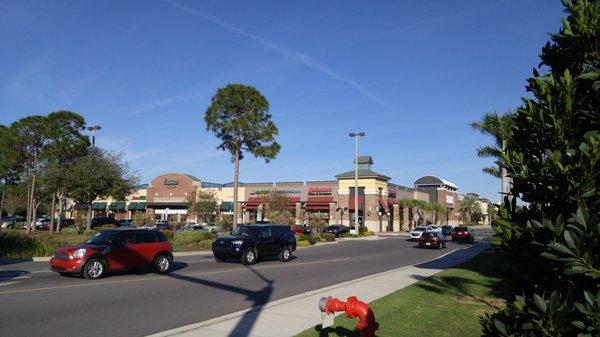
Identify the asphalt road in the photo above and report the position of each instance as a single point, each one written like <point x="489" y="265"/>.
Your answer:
<point x="37" y="302"/>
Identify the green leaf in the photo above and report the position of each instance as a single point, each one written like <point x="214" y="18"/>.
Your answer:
<point x="500" y="326"/>
<point x="569" y="240"/>
<point x="540" y="303"/>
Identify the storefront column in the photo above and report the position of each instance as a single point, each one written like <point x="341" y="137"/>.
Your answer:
<point x="298" y="213"/>
<point x="332" y="213"/>
<point x="245" y="216"/>
<point x="405" y="219"/>
<point x="396" y="216"/>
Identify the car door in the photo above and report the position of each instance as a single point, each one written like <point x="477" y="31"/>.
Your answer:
<point x="145" y="246"/>
<point x="122" y="252"/>
<point x="266" y="242"/>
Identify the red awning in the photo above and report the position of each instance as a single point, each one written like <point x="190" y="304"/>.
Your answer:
<point x="392" y="201"/>
<point x="318" y="202"/>
<point x="254" y="202"/>
<point x="361" y="202"/>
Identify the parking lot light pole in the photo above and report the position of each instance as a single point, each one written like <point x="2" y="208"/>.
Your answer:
<point x="94" y="129"/>
<point x="355" y="135"/>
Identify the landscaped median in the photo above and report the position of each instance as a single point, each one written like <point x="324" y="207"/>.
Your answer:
<point x="449" y="303"/>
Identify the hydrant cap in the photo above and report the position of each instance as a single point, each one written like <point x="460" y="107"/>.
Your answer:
<point x="323" y="304"/>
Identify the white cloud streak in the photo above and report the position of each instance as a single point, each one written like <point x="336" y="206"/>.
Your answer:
<point x="287" y="52"/>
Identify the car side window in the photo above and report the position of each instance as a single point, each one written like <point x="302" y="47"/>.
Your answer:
<point x="126" y="238"/>
<point x="276" y="231"/>
<point x="144" y="237"/>
<point x="264" y="231"/>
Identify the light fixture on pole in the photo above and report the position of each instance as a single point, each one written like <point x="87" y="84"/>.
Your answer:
<point x="94" y="129"/>
<point x="355" y="135"/>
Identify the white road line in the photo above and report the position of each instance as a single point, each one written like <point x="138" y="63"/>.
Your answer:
<point x="7" y="283"/>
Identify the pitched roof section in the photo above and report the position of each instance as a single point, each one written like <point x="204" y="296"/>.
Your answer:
<point x="432" y="181"/>
<point x="364" y="160"/>
<point x="362" y="174"/>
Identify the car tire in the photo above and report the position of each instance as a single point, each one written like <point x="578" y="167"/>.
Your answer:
<point x="162" y="264"/>
<point x="285" y="254"/>
<point x="219" y="259"/>
<point x="94" y="269"/>
<point x="249" y="257"/>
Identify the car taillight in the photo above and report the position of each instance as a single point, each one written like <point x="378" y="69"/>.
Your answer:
<point x="434" y="239"/>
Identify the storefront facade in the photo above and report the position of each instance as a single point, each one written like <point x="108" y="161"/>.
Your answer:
<point x="380" y="202"/>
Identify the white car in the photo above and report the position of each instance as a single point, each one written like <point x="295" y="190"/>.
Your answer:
<point x="416" y="233"/>
<point x="434" y="229"/>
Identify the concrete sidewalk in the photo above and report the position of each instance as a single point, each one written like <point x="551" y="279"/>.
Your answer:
<point x="292" y="315"/>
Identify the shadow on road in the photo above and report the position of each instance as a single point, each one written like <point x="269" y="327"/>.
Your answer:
<point x="257" y="297"/>
<point x="9" y="275"/>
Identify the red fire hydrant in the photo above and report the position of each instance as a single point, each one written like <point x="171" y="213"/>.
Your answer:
<point x="354" y="308"/>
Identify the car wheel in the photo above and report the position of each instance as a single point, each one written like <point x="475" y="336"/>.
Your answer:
<point x="249" y="256"/>
<point x="219" y="259"/>
<point x="285" y="254"/>
<point x="94" y="269"/>
<point x="162" y="264"/>
<point x="439" y="245"/>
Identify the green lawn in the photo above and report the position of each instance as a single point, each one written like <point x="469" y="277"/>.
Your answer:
<point x="446" y="304"/>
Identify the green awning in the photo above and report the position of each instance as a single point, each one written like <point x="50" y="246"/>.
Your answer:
<point x="226" y="206"/>
<point x="132" y="206"/>
<point x="117" y="206"/>
<point x="98" y="206"/>
<point x="142" y="198"/>
<point x="141" y="206"/>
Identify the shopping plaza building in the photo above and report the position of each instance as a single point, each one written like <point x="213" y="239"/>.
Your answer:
<point x="380" y="206"/>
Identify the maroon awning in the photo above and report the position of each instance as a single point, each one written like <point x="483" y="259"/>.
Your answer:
<point x="318" y="202"/>
<point x="361" y="202"/>
<point x="254" y="202"/>
<point x="383" y="203"/>
<point x="392" y="201"/>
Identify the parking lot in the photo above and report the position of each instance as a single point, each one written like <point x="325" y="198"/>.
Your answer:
<point x="37" y="302"/>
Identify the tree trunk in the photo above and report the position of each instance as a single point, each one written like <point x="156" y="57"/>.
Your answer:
<point x="2" y="202"/>
<point x="60" y="208"/>
<point x="236" y="174"/>
<point x="89" y="217"/>
<point x="52" y="213"/>
<point x="33" y="214"/>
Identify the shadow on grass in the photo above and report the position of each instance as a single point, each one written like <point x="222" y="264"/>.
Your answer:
<point x="336" y="331"/>
<point x="487" y="264"/>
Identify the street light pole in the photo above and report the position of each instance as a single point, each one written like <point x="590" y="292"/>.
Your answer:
<point x="356" y="135"/>
<point x="93" y="129"/>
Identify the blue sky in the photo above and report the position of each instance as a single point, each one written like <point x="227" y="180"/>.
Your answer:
<point x="411" y="74"/>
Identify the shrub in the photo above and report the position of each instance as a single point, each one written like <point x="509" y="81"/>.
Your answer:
<point x="302" y="243"/>
<point x="311" y="240"/>
<point x="300" y="237"/>
<point x="368" y="233"/>
<point x="69" y="231"/>
<point x="168" y="234"/>
<point x="328" y="237"/>
<point x="184" y="238"/>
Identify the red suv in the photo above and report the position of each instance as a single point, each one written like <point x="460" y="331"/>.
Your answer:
<point x="114" y="249"/>
<point x="463" y="233"/>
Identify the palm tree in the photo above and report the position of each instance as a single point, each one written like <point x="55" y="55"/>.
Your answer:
<point x="468" y="206"/>
<point x="500" y="128"/>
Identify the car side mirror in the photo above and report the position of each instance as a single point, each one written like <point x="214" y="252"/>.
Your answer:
<point x="262" y="236"/>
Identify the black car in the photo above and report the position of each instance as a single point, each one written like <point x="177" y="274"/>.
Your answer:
<point x="126" y="223"/>
<point x="337" y="230"/>
<point x="252" y="242"/>
<point x="102" y="221"/>
<point x="447" y="230"/>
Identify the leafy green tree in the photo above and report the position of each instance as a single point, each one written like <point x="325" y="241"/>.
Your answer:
<point x="204" y="205"/>
<point x="239" y="116"/>
<point x="99" y="174"/>
<point x="31" y="136"/>
<point x="277" y="208"/>
<point x="66" y="143"/>
<point x="8" y="164"/>
<point x="553" y="158"/>
<point x="500" y="128"/>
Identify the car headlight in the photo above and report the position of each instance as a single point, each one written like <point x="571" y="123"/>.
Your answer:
<point x="237" y="242"/>
<point x="79" y="253"/>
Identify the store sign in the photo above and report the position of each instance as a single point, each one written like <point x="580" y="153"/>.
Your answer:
<point x="265" y="192"/>
<point x="171" y="183"/>
<point x="450" y="199"/>
<point x="320" y="190"/>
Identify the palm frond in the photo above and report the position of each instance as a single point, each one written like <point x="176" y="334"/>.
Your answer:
<point x="489" y="152"/>
<point x="493" y="171"/>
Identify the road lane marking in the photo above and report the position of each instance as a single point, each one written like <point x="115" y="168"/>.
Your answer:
<point x="165" y="277"/>
<point x="7" y="283"/>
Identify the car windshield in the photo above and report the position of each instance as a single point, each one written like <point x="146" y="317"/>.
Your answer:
<point x="102" y="238"/>
<point x="419" y="229"/>
<point x="458" y="229"/>
<point x="243" y="231"/>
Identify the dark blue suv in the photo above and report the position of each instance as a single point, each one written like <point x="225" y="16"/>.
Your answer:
<point x="251" y="242"/>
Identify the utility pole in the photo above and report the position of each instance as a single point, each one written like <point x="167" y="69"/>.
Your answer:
<point x="355" y="135"/>
<point x="93" y="129"/>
